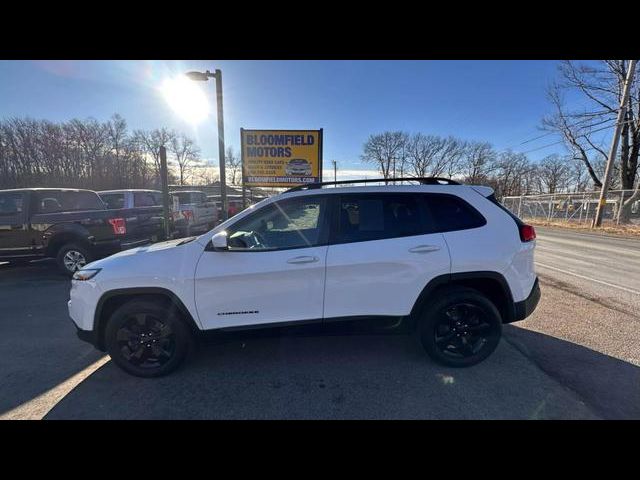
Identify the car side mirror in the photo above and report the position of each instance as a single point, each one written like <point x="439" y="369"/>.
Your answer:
<point x="219" y="241"/>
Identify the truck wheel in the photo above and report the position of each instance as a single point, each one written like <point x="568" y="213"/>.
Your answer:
<point x="72" y="257"/>
<point x="147" y="339"/>
<point x="460" y="328"/>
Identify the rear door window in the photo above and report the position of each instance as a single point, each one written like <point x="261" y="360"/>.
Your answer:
<point x="113" y="200"/>
<point x="365" y="217"/>
<point x="184" y="197"/>
<point x="145" y="199"/>
<point x="67" y="201"/>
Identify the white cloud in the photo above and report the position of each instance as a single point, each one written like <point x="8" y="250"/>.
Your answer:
<point x="350" y="174"/>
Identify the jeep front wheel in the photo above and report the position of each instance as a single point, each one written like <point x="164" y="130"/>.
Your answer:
<point x="147" y="339"/>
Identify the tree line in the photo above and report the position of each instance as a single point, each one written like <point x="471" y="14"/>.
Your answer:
<point x="92" y="154"/>
<point x="401" y="154"/>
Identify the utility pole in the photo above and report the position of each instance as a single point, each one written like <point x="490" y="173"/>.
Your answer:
<point x="335" y="171"/>
<point x="597" y="221"/>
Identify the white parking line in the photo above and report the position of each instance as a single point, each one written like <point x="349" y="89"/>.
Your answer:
<point x="38" y="407"/>
<point x="629" y="290"/>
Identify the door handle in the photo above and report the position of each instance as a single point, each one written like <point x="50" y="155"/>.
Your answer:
<point x="425" y="249"/>
<point x="303" y="259"/>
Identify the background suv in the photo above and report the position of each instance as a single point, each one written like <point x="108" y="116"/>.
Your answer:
<point x="445" y="259"/>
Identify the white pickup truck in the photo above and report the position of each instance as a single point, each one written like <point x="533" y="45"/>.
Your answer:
<point x="194" y="212"/>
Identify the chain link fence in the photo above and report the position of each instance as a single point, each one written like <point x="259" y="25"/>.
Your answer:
<point x="572" y="207"/>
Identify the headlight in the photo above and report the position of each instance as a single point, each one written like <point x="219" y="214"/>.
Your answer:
<point x="86" y="273"/>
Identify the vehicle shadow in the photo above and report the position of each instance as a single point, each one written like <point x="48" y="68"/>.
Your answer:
<point x="611" y="387"/>
<point x="38" y="346"/>
<point x="301" y="374"/>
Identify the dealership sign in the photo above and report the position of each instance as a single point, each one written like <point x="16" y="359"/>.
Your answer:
<point x="281" y="158"/>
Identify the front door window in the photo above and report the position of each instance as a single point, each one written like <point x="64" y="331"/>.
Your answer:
<point x="294" y="223"/>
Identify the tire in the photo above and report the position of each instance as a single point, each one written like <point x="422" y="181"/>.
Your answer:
<point x="71" y="257"/>
<point x="140" y="321"/>
<point x="460" y="328"/>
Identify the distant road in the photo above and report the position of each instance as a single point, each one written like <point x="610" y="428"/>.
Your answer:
<point x="605" y="267"/>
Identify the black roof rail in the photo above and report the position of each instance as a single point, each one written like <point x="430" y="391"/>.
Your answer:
<point x="422" y="180"/>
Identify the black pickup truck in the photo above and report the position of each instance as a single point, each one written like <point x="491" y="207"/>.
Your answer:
<point x="72" y="226"/>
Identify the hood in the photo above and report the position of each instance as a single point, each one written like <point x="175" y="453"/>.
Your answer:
<point x="135" y="253"/>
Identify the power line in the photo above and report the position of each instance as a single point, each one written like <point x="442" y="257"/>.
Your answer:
<point x="569" y="126"/>
<point x="572" y="115"/>
<point x="562" y="141"/>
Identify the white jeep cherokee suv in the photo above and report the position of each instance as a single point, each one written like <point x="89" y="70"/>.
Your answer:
<point x="446" y="259"/>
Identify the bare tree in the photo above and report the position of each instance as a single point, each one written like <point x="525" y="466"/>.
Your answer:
<point x="600" y="86"/>
<point x="185" y="153"/>
<point x="478" y="162"/>
<point x="385" y="149"/>
<point x="204" y="175"/>
<point x="233" y="165"/>
<point x="554" y="173"/>
<point x="512" y="174"/>
<point x="150" y="142"/>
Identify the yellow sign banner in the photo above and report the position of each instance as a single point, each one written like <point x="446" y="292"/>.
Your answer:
<point x="281" y="158"/>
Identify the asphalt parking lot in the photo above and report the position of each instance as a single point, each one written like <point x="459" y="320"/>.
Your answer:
<point x="564" y="362"/>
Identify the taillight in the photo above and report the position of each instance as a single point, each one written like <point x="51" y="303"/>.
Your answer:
<point x="527" y="233"/>
<point x="188" y="214"/>
<point x="119" y="226"/>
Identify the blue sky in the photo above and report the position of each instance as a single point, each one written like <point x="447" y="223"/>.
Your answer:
<point x="498" y="101"/>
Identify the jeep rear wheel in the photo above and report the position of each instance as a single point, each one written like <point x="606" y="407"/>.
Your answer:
<point x="72" y="257"/>
<point x="461" y="328"/>
<point x="146" y="339"/>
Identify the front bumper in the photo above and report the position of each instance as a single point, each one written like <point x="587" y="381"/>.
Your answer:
<point x="526" y="307"/>
<point x="83" y="298"/>
<point x="89" y="336"/>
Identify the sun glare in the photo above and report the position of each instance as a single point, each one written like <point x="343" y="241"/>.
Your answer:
<point x="186" y="98"/>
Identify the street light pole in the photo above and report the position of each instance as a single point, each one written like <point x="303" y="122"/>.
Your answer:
<point x="221" y="154"/>
<point x="203" y="77"/>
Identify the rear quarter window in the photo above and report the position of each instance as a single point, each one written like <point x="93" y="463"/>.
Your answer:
<point x="492" y="198"/>
<point x="448" y="213"/>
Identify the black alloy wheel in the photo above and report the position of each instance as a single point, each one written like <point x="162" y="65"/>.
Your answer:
<point x="461" y="328"/>
<point x="148" y="337"/>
